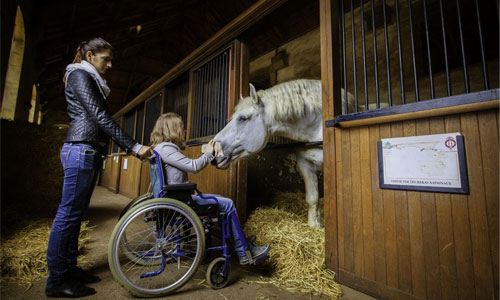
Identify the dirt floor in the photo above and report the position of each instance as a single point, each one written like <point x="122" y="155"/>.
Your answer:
<point x="245" y="284"/>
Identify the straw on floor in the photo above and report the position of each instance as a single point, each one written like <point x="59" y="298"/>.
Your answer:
<point x="297" y="251"/>
<point x="23" y="252"/>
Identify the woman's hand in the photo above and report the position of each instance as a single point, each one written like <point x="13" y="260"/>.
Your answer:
<point x="145" y="152"/>
<point x="210" y="147"/>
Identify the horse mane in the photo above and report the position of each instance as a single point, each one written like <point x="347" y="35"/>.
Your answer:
<point x="289" y="100"/>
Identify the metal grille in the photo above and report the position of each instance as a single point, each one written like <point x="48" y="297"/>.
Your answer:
<point x="178" y="97"/>
<point x="210" y="96"/>
<point x="404" y="51"/>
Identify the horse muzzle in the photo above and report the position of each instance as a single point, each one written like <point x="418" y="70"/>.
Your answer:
<point x="221" y="162"/>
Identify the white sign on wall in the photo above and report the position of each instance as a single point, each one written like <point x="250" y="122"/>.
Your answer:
<point x="425" y="163"/>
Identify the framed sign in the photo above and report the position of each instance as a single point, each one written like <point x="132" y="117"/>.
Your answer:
<point x="433" y="163"/>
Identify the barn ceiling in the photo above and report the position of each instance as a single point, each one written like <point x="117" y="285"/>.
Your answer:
<point x="149" y="38"/>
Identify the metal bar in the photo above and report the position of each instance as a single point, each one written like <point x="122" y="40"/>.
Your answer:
<point x="225" y="87"/>
<point x="195" y="102"/>
<point x="400" y="52"/>
<point x="353" y="36"/>
<point x="200" y="101"/>
<point x="388" y="66"/>
<point x="216" y="97"/>
<point x="429" y="58"/>
<point x="483" y="57"/>
<point x="203" y="100"/>
<point x="475" y="101"/>
<point x="364" y="53"/>
<point x="217" y="92"/>
<point x="415" y="75"/>
<point x="462" y="46"/>
<point x="219" y="99"/>
<point x="374" y="33"/>
<point x="212" y="97"/>
<point x="445" y="48"/>
<point x="344" y="66"/>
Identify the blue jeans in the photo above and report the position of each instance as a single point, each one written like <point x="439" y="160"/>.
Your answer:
<point x="226" y="205"/>
<point x="81" y="164"/>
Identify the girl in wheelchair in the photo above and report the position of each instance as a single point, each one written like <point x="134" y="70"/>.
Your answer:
<point x="166" y="138"/>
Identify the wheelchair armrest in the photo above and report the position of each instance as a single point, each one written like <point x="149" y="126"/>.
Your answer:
<point x="180" y="187"/>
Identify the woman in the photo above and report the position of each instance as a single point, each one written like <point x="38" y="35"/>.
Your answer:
<point x="90" y="128"/>
<point x="166" y="138"/>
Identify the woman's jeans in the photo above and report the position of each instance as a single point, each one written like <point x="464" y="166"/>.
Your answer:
<point x="226" y="205"/>
<point x="81" y="164"/>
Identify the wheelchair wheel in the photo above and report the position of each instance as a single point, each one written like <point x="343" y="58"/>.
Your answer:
<point x="136" y="201"/>
<point x="132" y="255"/>
<point x="156" y="247"/>
<point x="217" y="278"/>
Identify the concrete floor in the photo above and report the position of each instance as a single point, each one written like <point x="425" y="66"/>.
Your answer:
<point x="103" y="212"/>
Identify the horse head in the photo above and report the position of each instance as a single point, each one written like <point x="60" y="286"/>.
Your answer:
<point x="246" y="133"/>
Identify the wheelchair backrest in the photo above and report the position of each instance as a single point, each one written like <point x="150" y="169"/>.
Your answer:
<point x="157" y="174"/>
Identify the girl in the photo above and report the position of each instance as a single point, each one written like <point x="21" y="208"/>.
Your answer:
<point x="166" y="138"/>
<point x="90" y="128"/>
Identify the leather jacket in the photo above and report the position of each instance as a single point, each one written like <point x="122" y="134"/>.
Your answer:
<point x="90" y="121"/>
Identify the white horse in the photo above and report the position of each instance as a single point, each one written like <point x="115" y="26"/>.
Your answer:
<point x="291" y="109"/>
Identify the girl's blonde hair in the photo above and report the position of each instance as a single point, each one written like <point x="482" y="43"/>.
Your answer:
<point x="168" y="128"/>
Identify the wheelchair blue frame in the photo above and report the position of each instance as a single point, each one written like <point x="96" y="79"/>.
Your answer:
<point x="160" y="191"/>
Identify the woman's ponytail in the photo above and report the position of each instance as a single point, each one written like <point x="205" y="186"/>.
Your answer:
<point x="79" y="53"/>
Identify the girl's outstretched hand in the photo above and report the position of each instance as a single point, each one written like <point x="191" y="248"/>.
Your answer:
<point x="210" y="147"/>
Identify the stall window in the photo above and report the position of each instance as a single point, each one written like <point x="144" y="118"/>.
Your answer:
<point x="415" y="51"/>
<point x="140" y="123"/>
<point x="178" y="98"/>
<point x="153" y="111"/>
<point x="210" y="95"/>
<point x="129" y="124"/>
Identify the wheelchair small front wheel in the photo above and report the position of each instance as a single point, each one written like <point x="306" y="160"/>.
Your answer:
<point x="217" y="277"/>
<point x="156" y="247"/>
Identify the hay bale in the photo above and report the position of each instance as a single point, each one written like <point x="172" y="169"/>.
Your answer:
<point x="297" y="251"/>
<point x="23" y="253"/>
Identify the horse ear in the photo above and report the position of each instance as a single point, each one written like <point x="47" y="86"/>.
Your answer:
<point x="253" y="94"/>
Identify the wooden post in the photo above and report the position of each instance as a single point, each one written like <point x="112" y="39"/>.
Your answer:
<point x="330" y="81"/>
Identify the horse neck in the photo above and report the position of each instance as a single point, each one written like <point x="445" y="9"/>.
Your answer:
<point x="307" y="129"/>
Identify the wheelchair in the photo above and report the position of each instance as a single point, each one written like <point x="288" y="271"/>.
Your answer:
<point x="160" y="239"/>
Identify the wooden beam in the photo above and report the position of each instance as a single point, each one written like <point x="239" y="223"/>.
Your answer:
<point x="435" y="112"/>
<point x="222" y="37"/>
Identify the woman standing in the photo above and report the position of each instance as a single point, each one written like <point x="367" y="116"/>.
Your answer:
<point x="90" y="128"/>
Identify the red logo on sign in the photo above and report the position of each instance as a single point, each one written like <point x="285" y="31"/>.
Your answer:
<point x="450" y="142"/>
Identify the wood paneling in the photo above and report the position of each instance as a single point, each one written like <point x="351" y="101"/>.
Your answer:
<point x="211" y="180"/>
<point x="111" y="173"/>
<point x="145" y="178"/>
<point x="399" y="244"/>
<point x="130" y="177"/>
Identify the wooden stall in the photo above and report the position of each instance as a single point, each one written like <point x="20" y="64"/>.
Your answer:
<point x="403" y="244"/>
<point x="110" y="174"/>
<point x="181" y="79"/>
<point x="393" y="244"/>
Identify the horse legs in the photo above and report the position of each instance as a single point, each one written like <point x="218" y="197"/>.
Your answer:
<point x="309" y="162"/>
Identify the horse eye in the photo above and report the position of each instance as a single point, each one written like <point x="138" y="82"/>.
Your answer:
<point x="243" y="118"/>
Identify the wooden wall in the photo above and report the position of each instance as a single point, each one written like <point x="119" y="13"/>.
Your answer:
<point x="228" y="183"/>
<point x="145" y="178"/>
<point x="399" y="244"/>
<point x="130" y="177"/>
<point x="110" y="173"/>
